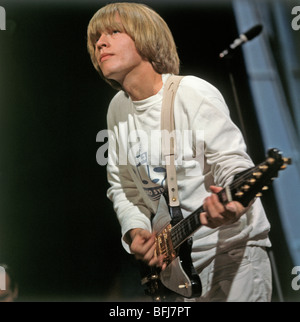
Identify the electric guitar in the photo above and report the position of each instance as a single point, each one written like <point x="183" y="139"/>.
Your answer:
<point x="175" y="242"/>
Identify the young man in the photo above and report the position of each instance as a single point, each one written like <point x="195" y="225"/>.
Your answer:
<point x="133" y="50"/>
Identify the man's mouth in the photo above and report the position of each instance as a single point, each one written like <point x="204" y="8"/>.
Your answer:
<point x="105" y="57"/>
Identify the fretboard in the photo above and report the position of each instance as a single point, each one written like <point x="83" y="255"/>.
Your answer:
<point x="185" y="228"/>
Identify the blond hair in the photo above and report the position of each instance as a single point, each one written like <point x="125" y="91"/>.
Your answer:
<point x="150" y="33"/>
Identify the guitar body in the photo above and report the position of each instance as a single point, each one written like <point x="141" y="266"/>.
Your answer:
<point x="179" y="278"/>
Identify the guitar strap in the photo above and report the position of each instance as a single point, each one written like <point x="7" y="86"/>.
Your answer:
<point x="168" y="144"/>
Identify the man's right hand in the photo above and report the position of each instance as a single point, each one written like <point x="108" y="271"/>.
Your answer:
<point x="143" y="247"/>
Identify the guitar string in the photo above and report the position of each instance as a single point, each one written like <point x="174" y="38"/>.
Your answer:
<point x="183" y="226"/>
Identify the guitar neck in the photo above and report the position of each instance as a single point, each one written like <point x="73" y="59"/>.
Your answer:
<point x="246" y="185"/>
<point x="187" y="226"/>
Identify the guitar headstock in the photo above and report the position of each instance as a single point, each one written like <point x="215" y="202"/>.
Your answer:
<point x="251" y="183"/>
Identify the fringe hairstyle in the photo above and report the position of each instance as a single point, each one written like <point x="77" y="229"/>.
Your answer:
<point x="150" y="33"/>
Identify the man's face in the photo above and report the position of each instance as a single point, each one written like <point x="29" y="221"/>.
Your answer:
<point x="117" y="55"/>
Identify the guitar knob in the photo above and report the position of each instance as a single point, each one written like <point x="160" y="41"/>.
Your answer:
<point x="185" y="285"/>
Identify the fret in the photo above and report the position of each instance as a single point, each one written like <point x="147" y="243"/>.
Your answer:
<point x="184" y="229"/>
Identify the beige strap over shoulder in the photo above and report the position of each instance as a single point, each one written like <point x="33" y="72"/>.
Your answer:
<point x="168" y="136"/>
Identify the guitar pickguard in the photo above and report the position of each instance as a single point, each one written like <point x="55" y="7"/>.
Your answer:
<point x="162" y="217"/>
<point x="175" y="279"/>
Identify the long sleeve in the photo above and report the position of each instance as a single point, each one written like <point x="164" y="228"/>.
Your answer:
<point x="210" y="150"/>
<point x="128" y="202"/>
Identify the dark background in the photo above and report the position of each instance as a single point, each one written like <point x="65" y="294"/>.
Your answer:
<point x="57" y="228"/>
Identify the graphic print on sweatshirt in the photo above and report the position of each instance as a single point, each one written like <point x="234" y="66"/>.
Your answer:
<point x="152" y="177"/>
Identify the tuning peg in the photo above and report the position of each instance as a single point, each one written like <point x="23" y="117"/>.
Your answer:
<point x="257" y="174"/>
<point x="252" y="181"/>
<point x="259" y="194"/>
<point x="263" y="167"/>
<point x="270" y="160"/>
<point x="287" y="160"/>
<point x="246" y="187"/>
<point x="239" y="194"/>
<point x="265" y="188"/>
<point x="283" y="166"/>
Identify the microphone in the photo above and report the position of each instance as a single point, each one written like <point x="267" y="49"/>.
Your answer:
<point x="248" y="35"/>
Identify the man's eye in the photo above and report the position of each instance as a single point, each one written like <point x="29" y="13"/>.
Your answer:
<point x="115" y="31"/>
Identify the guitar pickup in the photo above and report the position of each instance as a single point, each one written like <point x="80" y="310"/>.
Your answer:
<point x="164" y="245"/>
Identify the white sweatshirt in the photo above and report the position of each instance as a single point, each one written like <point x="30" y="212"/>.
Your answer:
<point x="210" y="150"/>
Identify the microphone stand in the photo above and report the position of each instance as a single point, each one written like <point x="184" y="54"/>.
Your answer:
<point x="228" y="59"/>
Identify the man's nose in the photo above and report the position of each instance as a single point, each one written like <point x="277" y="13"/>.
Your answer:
<point x="102" y="41"/>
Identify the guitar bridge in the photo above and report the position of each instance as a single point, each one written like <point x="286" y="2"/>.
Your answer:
<point x="164" y="245"/>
